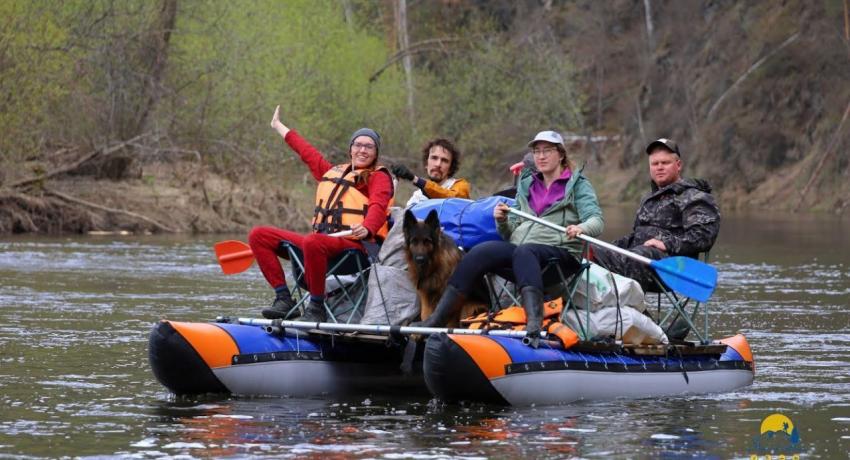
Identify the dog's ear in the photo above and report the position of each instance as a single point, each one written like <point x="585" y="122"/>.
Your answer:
<point x="409" y="221"/>
<point x="432" y="221"/>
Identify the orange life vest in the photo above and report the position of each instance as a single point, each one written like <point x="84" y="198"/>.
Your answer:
<point x="513" y="317"/>
<point x="339" y="205"/>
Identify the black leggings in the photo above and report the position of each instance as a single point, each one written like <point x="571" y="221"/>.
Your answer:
<point x="523" y="264"/>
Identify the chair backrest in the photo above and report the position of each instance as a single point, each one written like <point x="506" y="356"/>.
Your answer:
<point x="348" y="262"/>
<point x="347" y="281"/>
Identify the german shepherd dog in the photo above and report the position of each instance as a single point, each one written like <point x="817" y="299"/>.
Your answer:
<point x="431" y="258"/>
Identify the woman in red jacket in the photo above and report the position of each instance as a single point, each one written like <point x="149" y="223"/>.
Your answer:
<point x="351" y="196"/>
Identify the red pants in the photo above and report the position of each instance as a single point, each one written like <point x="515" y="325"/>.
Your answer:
<point x="318" y="249"/>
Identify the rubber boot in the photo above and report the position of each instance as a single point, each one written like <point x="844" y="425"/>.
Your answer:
<point x="532" y="302"/>
<point x="448" y="306"/>
<point x="315" y="313"/>
<point x="679" y="329"/>
<point x="280" y="307"/>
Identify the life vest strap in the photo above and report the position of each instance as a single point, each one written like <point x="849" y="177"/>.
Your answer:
<point x="513" y="317"/>
<point x="339" y="181"/>
<point x="567" y="336"/>
<point x="339" y="205"/>
<point x="325" y="227"/>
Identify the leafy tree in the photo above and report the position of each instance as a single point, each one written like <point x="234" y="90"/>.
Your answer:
<point x="35" y="67"/>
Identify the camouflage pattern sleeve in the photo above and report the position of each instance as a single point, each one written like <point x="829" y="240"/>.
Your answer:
<point x="624" y="242"/>
<point x="700" y="224"/>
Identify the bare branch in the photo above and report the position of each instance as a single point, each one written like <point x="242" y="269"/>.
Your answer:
<point x="746" y="74"/>
<point x="650" y="34"/>
<point x="416" y="48"/>
<point x="111" y="210"/>
<point x="826" y="155"/>
<point x="846" y="22"/>
<point x="407" y="62"/>
<point x="74" y="165"/>
<point x="158" y="54"/>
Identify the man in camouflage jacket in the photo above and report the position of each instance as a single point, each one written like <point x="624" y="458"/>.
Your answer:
<point x="678" y="217"/>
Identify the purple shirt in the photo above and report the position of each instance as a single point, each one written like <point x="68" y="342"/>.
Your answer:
<point x="540" y="198"/>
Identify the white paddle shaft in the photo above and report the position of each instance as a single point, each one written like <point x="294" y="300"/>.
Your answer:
<point x="342" y="233"/>
<point x="379" y="329"/>
<point x="589" y="239"/>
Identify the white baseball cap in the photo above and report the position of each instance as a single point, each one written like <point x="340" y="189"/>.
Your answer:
<point x="549" y="136"/>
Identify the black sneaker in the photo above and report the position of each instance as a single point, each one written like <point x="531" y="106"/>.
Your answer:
<point x="315" y="313"/>
<point x="279" y="309"/>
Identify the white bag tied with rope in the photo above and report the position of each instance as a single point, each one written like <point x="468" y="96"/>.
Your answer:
<point x="632" y="326"/>
<point x="605" y="291"/>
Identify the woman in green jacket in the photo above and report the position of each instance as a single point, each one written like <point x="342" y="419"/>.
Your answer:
<point x="555" y="192"/>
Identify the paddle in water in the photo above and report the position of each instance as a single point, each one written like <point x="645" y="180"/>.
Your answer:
<point x="684" y="275"/>
<point x="235" y="256"/>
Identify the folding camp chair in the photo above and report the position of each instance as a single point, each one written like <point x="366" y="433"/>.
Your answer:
<point x="556" y="284"/>
<point x="679" y="308"/>
<point x="349" y="271"/>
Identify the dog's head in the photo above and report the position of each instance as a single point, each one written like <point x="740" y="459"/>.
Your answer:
<point x="421" y="239"/>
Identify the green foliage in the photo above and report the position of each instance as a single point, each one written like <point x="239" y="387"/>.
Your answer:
<point x="34" y="69"/>
<point x="88" y="64"/>
<point x="495" y="96"/>
<point x="234" y="62"/>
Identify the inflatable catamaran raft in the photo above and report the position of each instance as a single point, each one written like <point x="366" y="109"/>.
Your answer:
<point x="247" y="356"/>
<point x="505" y="371"/>
<point x="266" y="357"/>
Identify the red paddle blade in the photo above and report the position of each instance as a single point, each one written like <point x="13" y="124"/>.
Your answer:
<point x="233" y="256"/>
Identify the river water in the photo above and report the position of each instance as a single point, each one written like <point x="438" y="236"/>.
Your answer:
<point x="75" y="314"/>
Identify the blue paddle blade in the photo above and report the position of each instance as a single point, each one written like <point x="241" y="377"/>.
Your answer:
<point x="687" y="276"/>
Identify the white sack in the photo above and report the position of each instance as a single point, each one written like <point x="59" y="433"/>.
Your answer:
<point x="636" y="328"/>
<point x="606" y="288"/>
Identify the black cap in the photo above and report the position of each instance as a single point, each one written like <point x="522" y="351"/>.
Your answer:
<point x="663" y="142"/>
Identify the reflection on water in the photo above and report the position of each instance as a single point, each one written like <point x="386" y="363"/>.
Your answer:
<point x="75" y="314"/>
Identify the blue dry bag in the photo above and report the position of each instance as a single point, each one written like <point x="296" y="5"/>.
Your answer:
<point x="468" y="222"/>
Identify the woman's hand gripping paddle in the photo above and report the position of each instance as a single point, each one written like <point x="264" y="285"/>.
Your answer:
<point x="236" y="257"/>
<point x="684" y="275"/>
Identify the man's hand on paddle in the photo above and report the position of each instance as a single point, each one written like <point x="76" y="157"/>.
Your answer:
<point x="655" y="243"/>
<point x="277" y="125"/>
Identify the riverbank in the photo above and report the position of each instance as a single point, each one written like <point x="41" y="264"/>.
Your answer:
<point x="184" y="197"/>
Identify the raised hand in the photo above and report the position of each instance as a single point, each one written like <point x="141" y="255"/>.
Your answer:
<point x="402" y="172"/>
<point x="276" y="124"/>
